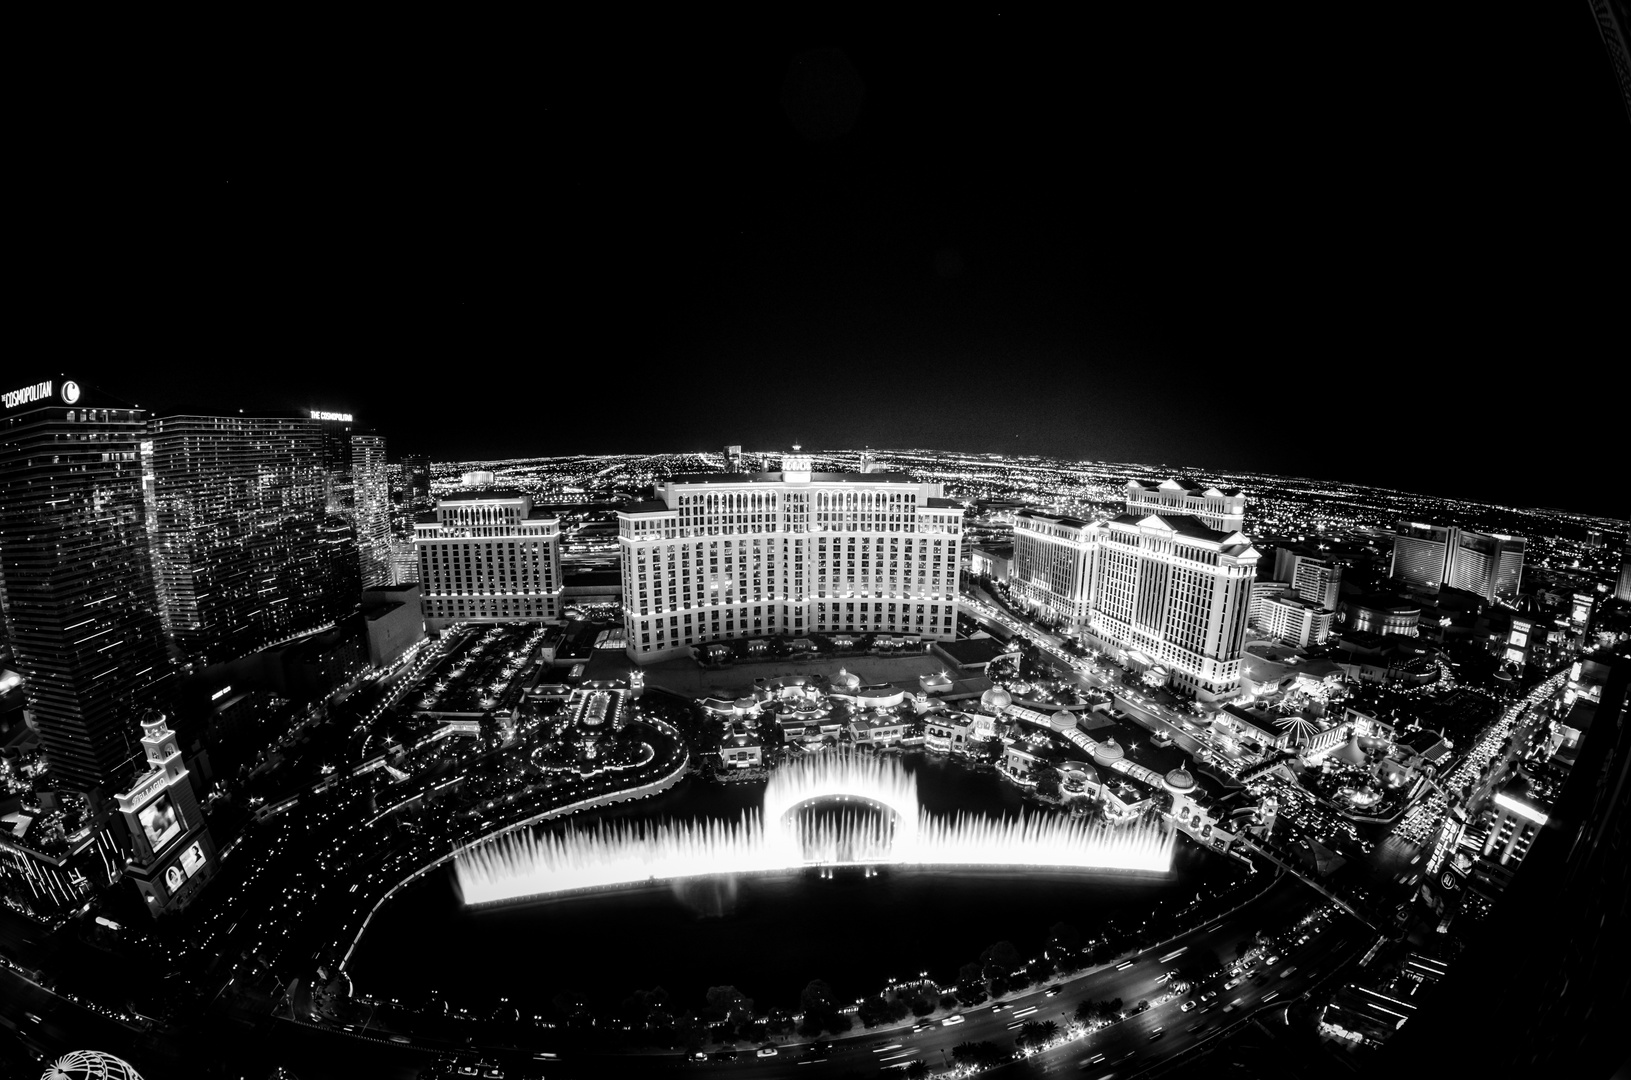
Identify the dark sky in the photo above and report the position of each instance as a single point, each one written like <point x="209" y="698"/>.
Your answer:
<point x="1376" y="251"/>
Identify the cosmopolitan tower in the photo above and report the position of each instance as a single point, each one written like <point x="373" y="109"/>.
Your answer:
<point x="80" y="605"/>
<point x="720" y="556"/>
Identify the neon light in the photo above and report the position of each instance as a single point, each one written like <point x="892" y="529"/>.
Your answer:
<point x="319" y="414"/>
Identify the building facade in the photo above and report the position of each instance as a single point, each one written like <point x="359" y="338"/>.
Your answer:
<point x="1052" y="563"/>
<point x="1488" y="564"/>
<point x="1622" y="586"/>
<point x="721" y="556"/>
<point x="242" y="553"/>
<point x="1291" y="620"/>
<point x="81" y="610"/>
<point x="487" y="556"/>
<point x="172" y="853"/>
<point x="1166" y="584"/>
<point x="371" y="502"/>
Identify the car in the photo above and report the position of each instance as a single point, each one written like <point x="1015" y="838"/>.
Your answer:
<point x="1157" y="1033"/>
<point x="1124" y="965"/>
<point x="767" y="1051"/>
<point x="698" y="1055"/>
<point x="1163" y="977"/>
<point x="1270" y="961"/>
<point x="1234" y="982"/>
<point x="1053" y="991"/>
<point x="1289" y="972"/>
<point x="1209" y="995"/>
<point x="950" y="1020"/>
<point x="722" y="1055"/>
<point x="1188" y="1005"/>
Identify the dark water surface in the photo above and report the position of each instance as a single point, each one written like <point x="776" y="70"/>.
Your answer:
<point x="768" y="935"/>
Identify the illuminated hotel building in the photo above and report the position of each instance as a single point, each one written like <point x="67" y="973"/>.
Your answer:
<point x="1166" y="584"/>
<point x="371" y="509"/>
<point x="488" y="556"/>
<point x="1622" y="587"/>
<point x="242" y="552"/>
<point x="737" y="555"/>
<point x="1053" y="563"/>
<point x="81" y="610"/>
<point x="1421" y="553"/>
<point x="1489" y="564"/>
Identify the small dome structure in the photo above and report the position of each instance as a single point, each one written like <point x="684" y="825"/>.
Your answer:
<point x="996" y="699"/>
<point x="1064" y="720"/>
<point x="847" y="680"/>
<point x="1108" y="752"/>
<point x="1179" y="780"/>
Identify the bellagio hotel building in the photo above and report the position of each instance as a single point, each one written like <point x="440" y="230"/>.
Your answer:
<point x="729" y="555"/>
<point x="1166" y="584"/>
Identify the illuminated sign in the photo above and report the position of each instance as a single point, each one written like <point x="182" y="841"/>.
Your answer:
<point x="1574" y="672"/>
<point x="192" y="858"/>
<point x="1514" y="656"/>
<point x="1518" y="638"/>
<point x="24" y="396"/>
<point x="343" y="417"/>
<point x="173" y="878"/>
<point x="221" y="693"/>
<point x="160" y="822"/>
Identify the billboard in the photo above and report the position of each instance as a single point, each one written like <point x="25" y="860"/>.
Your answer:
<point x="192" y="858"/>
<point x="173" y="878"/>
<point x="160" y="822"/>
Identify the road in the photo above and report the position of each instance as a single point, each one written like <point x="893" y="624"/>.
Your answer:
<point x="1204" y="950"/>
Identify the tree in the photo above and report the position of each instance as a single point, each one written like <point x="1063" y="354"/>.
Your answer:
<point x="727" y="1003"/>
<point x="917" y="1070"/>
<point x="1063" y="940"/>
<point x="999" y="960"/>
<point x="1047" y="783"/>
<point x="817" y="999"/>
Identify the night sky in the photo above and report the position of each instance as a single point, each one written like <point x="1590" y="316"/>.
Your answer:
<point x="1322" y="247"/>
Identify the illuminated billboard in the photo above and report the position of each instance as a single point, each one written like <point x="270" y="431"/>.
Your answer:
<point x="173" y="878"/>
<point x="160" y="822"/>
<point x="1518" y="638"/>
<point x="192" y="858"/>
<point x="1514" y="656"/>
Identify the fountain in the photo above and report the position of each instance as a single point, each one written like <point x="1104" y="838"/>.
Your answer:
<point x="540" y="863"/>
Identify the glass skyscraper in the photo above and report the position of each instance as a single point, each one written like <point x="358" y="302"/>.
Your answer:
<point x="81" y="609"/>
<point x="241" y="533"/>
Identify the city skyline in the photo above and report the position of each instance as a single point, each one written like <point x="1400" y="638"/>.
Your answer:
<point x="1004" y="541"/>
<point x="1125" y="241"/>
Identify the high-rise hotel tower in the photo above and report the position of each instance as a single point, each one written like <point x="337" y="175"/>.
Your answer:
<point x="738" y="555"/>
<point x="80" y="605"/>
<point x="1489" y="564"/>
<point x="488" y="556"/>
<point x="1166" y="584"/>
<point x="241" y="548"/>
<point x="371" y="501"/>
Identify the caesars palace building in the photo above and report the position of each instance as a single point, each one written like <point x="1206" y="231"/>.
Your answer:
<point x="720" y="556"/>
<point x="1166" y="586"/>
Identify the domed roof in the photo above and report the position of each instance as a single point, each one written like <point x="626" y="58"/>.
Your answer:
<point x="1180" y="780"/>
<point x="845" y="678"/>
<point x="1064" y="720"/>
<point x="1108" y="752"/>
<point x="996" y="699"/>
